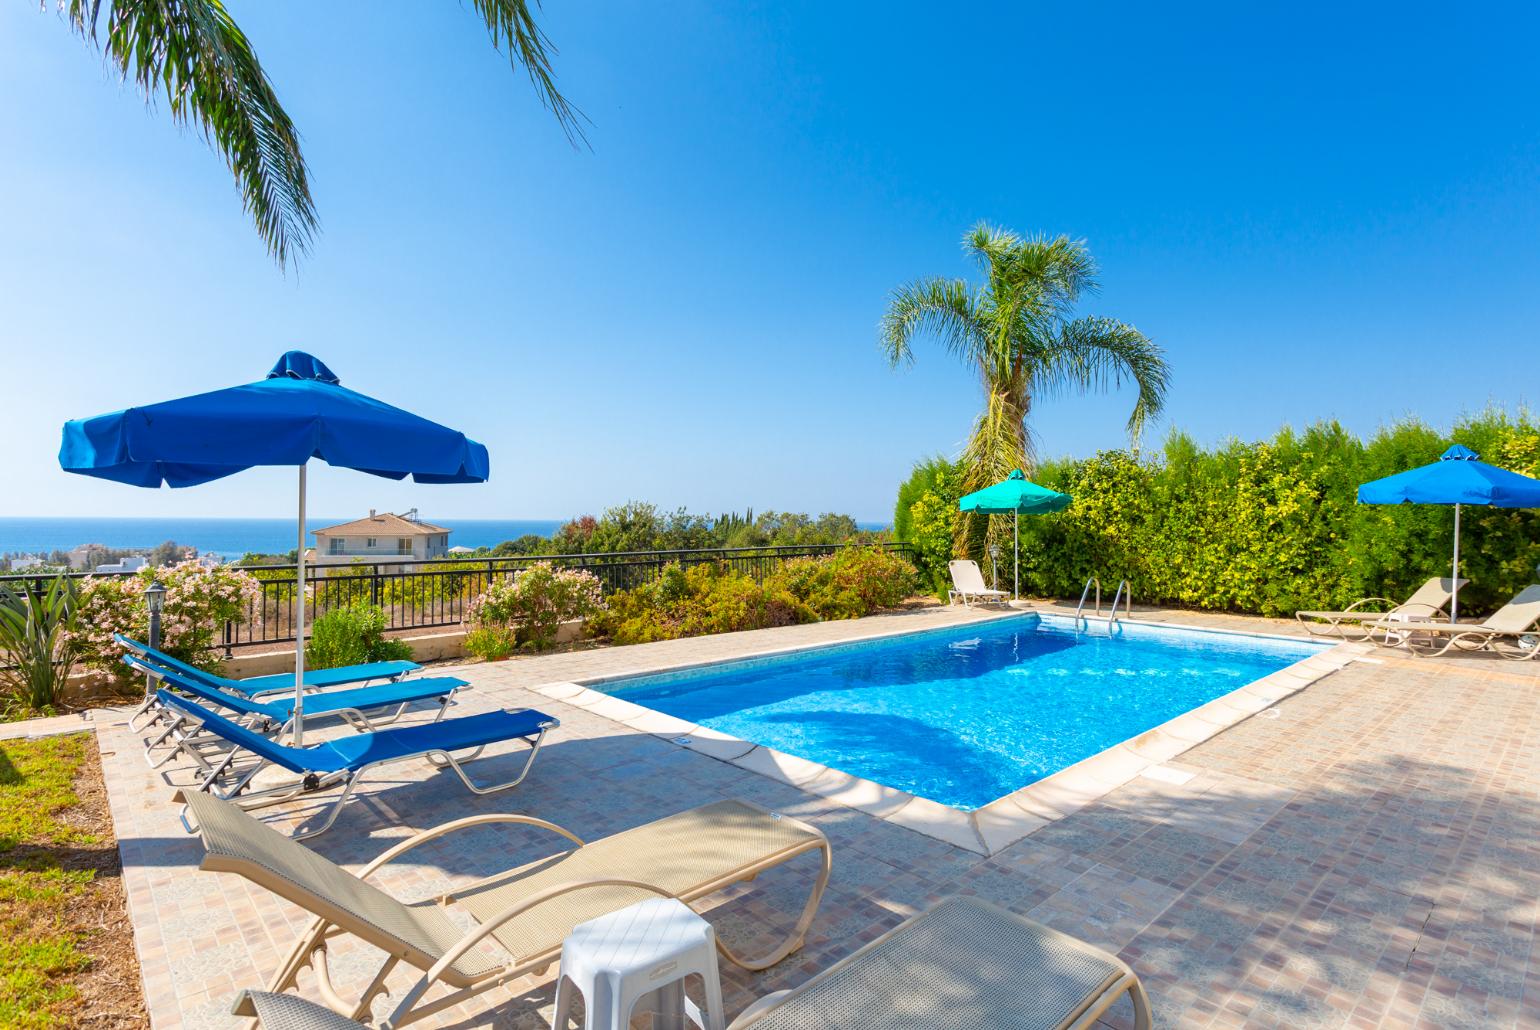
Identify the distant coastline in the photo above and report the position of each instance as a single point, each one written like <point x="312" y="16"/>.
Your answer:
<point x="228" y="538"/>
<point x="231" y="538"/>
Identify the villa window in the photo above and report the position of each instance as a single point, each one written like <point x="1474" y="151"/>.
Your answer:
<point x="369" y="542"/>
<point x="403" y="544"/>
<point x="335" y="545"/>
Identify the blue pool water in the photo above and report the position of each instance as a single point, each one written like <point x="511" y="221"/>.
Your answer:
<point x="966" y="715"/>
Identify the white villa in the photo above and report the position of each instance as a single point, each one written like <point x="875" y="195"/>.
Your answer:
<point x="130" y="563"/>
<point x="381" y="537"/>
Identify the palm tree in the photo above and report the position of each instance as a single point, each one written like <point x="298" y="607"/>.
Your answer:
<point x="197" y="54"/>
<point x="1017" y="331"/>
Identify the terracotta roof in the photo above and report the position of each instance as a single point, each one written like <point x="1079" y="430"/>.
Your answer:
<point x="384" y="524"/>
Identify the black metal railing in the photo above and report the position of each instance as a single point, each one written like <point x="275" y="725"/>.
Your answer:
<point x="434" y="592"/>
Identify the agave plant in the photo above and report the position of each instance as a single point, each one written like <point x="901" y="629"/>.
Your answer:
<point x="37" y="649"/>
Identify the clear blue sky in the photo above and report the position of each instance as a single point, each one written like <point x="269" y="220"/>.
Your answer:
<point x="1319" y="211"/>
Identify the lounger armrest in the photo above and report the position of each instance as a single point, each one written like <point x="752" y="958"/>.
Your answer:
<point x="483" y="930"/>
<point x="434" y="833"/>
<point x="1367" y="600"/>
<point x="1416" y="607"/>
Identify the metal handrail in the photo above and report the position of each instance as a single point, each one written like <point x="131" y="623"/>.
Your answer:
<point x="1112" y="613"/>
<point x="1088" y="583"/>
<point x="433" y="593"/>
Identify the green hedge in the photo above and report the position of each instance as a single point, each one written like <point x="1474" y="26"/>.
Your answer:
<point x="1273" y="527"/>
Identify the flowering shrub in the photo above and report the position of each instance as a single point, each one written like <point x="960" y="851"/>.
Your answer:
<point x="853" y="582"/>
<point x="535" y="603"/>
<point x="706" y="598"/>
<point x="199" y="601"/>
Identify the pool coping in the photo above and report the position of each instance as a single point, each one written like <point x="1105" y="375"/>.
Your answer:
<point x="1006" y="820"/>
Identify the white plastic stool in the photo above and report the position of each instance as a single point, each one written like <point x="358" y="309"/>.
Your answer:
<point x="639" y="957"/>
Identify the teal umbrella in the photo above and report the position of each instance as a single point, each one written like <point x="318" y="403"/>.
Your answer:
<point x="1017" y="495"/>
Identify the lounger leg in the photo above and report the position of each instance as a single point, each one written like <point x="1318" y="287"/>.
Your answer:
<point x="336" y="809"/>
<point x="288" y="974"/>
<point x="363" y="1011"/>
<point x="1142" y="1018"/>
<point x="150" y="701"/>
<point x="453" y="763"/>
<point x="152" y="745"/>
<point x="216" y="772"/>
<point x="1519" y="652"/>
<point x="799" y="932"/>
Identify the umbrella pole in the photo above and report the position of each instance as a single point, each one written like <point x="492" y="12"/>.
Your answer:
<point x="299" y="628"/>
<point x="1016" y="555"/>
<point x="1454" y="598"/>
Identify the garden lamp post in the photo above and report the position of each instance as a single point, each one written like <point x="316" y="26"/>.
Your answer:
<point x="155" y="600"/>
<point x="994" y="566"/>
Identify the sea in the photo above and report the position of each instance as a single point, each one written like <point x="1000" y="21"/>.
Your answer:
<point x="232" y="538"/>
<point x="228" y="538"/>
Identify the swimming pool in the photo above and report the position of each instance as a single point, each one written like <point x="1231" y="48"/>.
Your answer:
<point x="966" y="715"/>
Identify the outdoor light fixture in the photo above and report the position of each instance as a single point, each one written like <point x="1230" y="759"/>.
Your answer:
<point x="155" y="600"/>
<point x="994" y="566"/>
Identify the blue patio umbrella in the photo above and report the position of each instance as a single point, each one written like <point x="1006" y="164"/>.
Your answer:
<point x="1458" y="477"/>
<point x="298" y="412"/>
<point x="1015" y="495"/>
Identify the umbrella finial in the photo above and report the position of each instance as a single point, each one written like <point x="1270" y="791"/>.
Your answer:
<point x="296" y="364"/>
<point x="1459" y="452"/>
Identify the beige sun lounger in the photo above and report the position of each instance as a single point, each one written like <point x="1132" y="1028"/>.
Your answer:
<point x="968" y="581"/>
<point x="1504" y="631"/>
<point x="1430" y="599"/>
<point x="528" y="910"/>
<point x="963" y="965"/>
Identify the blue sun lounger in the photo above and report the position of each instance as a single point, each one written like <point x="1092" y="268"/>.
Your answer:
<point x="343" y="761"/>
<point x="275" y="718"/>
<point x="257" y="686"/>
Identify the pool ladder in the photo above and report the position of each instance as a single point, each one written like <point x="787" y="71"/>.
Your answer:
<point x="1125" y="594"/>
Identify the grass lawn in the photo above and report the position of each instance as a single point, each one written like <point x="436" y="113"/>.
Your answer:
<point x="66" y="953"/>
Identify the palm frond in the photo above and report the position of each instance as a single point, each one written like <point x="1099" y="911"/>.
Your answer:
<point x="193" y="51"/>
<point x="1101" y="354"/>
<point x="940" y="307"/>
<point x="1063" y="267"/>
<point x="512" y="24"/>
<point x="989" y="245"/>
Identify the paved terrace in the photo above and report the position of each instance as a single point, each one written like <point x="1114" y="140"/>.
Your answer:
<point x="1366" y="853"/>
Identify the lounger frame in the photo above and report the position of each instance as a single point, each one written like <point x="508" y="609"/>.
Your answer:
<point x="1436" y="639"/>
<point x="978" y="593"/>
<point x="149" y="705"/>
<point x="1125" y="981"/>
<point x="237" y="786"/>
<point x="1355" y="617"/>
<point x="331" y="922"/>
<point x="184" y="735"/>
<point x="1503" y="632"/>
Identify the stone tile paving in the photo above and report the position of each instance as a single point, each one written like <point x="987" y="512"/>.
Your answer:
<point x="1366" y="853"/>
